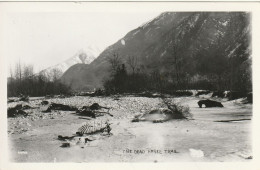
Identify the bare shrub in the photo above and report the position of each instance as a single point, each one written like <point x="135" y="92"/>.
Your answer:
<point x="179" y="111"/>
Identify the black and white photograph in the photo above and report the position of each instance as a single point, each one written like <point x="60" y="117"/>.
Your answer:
<point x="127" y="82"/>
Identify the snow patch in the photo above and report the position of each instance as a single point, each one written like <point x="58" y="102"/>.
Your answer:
<point x="123" y="42"/>
<point x="231" y="52"/>
<point x="85" y="56"/>
<point x="148" y="31"/>
<point x="136" y="32"/>
<point x="196" y="18"/>
<point x="196" y="153"/>
<point x="225" y="23"/>
<point x="163" y="53"/>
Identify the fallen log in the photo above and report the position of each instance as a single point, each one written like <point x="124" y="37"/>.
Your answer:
<point x="86" y="112"/>
<point x="24" y="98"/>
<point x="17" y="111"/>
<point x="10" y="100"/>
<point x="92" y="111"/>
<point x="55" y="106"/>
<point x="96" y="106"/>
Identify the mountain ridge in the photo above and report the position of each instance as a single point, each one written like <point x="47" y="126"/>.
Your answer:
<point x="195" y="37"/>
<point x="85" y="56"/>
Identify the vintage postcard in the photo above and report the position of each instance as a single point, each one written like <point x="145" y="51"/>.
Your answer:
<point x="129" y="82"/>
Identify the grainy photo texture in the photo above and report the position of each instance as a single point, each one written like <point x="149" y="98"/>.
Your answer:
<point x="129" y="87"/>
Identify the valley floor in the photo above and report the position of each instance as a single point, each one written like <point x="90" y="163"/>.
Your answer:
<point x="208" y="137"/>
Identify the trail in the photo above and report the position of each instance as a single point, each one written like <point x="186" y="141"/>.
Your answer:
<point x="135" y="141"/>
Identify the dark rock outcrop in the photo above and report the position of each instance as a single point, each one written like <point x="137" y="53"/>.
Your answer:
<point x="209" y="103"/>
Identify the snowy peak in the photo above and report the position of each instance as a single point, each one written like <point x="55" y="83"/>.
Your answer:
<point x="83" y="56"/>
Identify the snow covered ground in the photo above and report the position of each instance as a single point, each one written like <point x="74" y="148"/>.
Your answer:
<point x="214" y="134"/>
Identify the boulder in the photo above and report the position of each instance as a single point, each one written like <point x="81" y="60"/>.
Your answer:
<point x="44" y="102"/>
<point x="95" y="106"/>
<point x="209" y="103"/>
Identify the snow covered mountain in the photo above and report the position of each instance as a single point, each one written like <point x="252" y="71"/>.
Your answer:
<point x="81" y="57"/>
<point x="200" y="42"/>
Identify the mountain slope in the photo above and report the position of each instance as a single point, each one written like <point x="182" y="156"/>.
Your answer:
<point x="200" y="42"/>
<point x="82" y="56"/>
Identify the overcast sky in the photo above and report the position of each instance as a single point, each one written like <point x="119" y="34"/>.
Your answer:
<point x="48" y="38"/>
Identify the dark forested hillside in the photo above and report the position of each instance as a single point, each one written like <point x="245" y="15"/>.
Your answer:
<point x="186" y="49"/>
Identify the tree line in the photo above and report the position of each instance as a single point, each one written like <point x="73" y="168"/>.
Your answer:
<point x="23" y="81"/>
<point x="223" y="65"/>
<point x="130" y="76"/>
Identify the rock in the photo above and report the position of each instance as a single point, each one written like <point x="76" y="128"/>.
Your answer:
<point x="64" y="138"/>
<point x="95" y="106"/>
<point x="87" y="139"/>
<point x="26" y="107"/>
<point x="249" y="157"/>
<point x="220" y="94"/>
<point x="136" y="120"/>
<point x="65" y="145"/>
<point x="44" y="102"/>
<point x="209" y="103"/>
